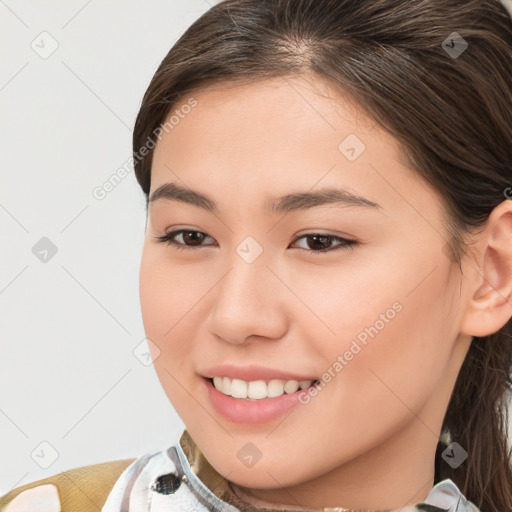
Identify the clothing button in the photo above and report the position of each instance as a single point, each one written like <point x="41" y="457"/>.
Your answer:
<point x="166" y="484"/>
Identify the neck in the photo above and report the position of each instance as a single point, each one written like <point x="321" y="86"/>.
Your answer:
<point x="395" y="474"/>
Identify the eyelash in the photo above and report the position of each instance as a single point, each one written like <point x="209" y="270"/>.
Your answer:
<point x="347" y="243"/>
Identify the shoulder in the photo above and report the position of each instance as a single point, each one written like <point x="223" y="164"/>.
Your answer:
<point x="80" y="489"/>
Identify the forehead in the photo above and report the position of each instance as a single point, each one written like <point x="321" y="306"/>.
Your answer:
<point x="267" y="115"/>
<point x="303" y="106"/>
<point x="273" y="135"/>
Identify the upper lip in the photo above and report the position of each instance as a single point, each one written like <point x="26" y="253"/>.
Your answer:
<point x="251" y="373"/>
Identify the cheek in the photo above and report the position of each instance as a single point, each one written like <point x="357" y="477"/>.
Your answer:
<point x="167" y="297"/>
<point x="168" y="292"/>
<point x="382" y="326"/>
<point x="172" y="297"/>
<point x="403" y="353"/>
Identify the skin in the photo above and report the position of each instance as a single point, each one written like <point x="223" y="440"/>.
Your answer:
<point x="368" y="439"/>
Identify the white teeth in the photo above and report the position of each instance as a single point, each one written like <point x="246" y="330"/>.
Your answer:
<point x="258" y="389"/>
<point x="291" y="386"/>
<point x="226" y="385"/>
<point x="238" y="388"/>
<point x="218" y="382"/>
<point x="275" y="388"/>
<point x="305" y="383"/>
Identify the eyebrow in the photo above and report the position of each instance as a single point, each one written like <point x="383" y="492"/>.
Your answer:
<point x="284" y="204"/>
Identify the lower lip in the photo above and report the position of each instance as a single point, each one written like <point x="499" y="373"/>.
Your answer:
<point x="238" y="410"/>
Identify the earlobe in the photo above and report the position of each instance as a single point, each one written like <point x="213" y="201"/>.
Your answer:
<point x="490" y="305"/>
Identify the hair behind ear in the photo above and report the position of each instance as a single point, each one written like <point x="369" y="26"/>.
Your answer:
<point x="477" y="419"/>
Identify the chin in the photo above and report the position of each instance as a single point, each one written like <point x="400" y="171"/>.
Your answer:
<point x="261" y="479"/>
<point x="273" y="474"/>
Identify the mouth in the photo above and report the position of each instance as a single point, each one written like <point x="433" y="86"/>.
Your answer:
<point x="237" y="407"/>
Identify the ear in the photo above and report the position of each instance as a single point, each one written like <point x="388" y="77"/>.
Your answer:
<point x="490" y="304"/>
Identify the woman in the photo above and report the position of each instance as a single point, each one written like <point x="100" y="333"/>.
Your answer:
<point x="326" y="278"/>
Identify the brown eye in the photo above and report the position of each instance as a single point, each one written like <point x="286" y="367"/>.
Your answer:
<point x="191" y="238"/>
<point x="320" y="244"/>
<point x="316" y="243"/>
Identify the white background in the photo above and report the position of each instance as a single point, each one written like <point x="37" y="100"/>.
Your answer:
<point x="68" y="376"/>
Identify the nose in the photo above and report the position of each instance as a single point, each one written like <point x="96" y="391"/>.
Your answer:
<point x="249" y="302"/>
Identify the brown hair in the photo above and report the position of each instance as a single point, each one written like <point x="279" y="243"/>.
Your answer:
<point x="452" y="115"/>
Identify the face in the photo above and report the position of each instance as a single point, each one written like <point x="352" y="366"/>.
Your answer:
<point x="354" y="293"/>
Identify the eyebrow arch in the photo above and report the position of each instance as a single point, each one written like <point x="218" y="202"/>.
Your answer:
<point x="285" y="204"/>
